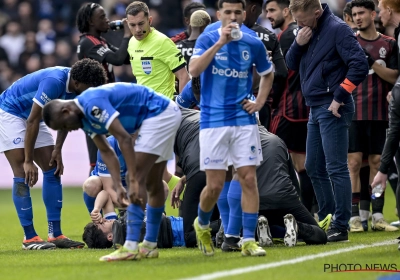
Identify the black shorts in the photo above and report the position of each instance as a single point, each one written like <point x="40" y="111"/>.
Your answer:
<point x="264" y="116"/>
<point x="92" y="150"/>
<point x="294" y="134"/>
<point x="367" y="137"/>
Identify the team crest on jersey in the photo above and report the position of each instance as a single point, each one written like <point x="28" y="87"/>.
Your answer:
<point x="245" y="55"/>
<point x="146" y="66"/>
<point x="382" y="52"/>
<point x="96" y="112"/>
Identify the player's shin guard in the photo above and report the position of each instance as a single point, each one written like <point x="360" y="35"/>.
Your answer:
<point x="23" y="205"/>
<point x="235" y="209"/>
<point x="134" y="222"/>
<point x="52" y="197"/>
<point x="223" y="205"/>
<point x="153" y="220"/>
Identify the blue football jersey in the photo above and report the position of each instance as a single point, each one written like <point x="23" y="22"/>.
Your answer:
<point x="40" y="87"/>
<point x="227" y="80"/>
<point x="186" y="98"/>
<point x="101" y="169"/>
<point x="217" y="25"/>
<point x="131" y="103"/>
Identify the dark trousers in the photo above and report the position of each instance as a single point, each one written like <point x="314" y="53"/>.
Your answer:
<point x="190" y="205"/>
<point x="308" y="229"/>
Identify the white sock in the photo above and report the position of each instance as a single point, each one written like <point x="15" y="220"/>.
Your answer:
<point x="364" y="215"/>
<point x="229" y="235"/>
<point x="377" y="216"/>
<point x="204" y="226"/>
<point x="248" y="239"/>
<point x="131" y="245"/>
<point x="149" y="244"/>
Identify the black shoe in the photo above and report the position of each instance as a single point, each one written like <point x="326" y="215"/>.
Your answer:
<point x="219" y="237"/>
<point x="231" y="244"/>
<point x="63" y="242"/>
<point x="335" y="235"/>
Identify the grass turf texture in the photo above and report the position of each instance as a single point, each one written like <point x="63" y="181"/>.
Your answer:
<point x="173" y="263"/>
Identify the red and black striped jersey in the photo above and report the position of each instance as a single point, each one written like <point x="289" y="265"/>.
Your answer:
<point x="96" y="48"/>
<point x="292" y="105"/>
<point x="370" y="95"/>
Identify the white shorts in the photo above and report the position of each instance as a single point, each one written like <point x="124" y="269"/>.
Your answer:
<point x="157" y="134"/>
<point x="236" y="145"/>
<point x="12" y="133"/>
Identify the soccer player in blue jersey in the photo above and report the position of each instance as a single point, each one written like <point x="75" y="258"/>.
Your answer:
<point x="187" y="98"/>
<point x="228" y="126"/>
<point x="25" y="139"/>
<point x="100" y="178"/>
<point x="122" y="109"/>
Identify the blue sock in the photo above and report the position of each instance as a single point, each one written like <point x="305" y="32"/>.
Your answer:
<point x="223" y="205"/>
<point x="23" y="204"/>
<point x="249" y="225"/>
<point x="89" y="202"/>
<point x="154" y="216"/>
<point x="235" y="209"/>
<point x="134" y="222"/>
<point x="52" y="197"/>
<point x="204" y="217"/>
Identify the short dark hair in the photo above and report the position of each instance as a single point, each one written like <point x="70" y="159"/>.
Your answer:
<point x="189" y="7"/>
<point x="368" y="4"/>
<point x="48" y="112"/>
<point x="89" y="72"/>
<point x="84" y="15"/>
<point x="281" y="3"/>
<point x="347" y="10"/>
<point x="95" y="238"/>
<point x="137" y="7"/>
<point x="254" y="2"/>
<point x="221" y="2"/>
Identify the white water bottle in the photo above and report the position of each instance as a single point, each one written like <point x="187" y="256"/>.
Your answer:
<point x="377" y="191"/>
<point x="235" y="32"/>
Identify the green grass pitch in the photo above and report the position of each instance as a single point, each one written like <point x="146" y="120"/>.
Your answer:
<point x="177" y="263"/>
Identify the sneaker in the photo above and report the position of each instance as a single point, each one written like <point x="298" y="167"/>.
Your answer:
<point x="231" y="244"/>
<point x="121" y="254"/>
<point x="290" y="238"/>
<point x="250" y="248"/>
<point x="263" y="232"/>
<point x="203" y="237"/>
<point x="325" y="223"/>
<point x="219" y="237"/>
<point x="64" y="242"/>
<point x="365" y="225"/>
<point x="36" y="243"/>
<point x="382" y="225"/>
<point x="356" y="225"/>
<point x="147" y="252"/>
<point x="395" y="224"/>
<point x="335" y="235"/>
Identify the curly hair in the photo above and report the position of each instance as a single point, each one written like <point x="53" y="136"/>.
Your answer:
<point x="95" y="238"/>
<point x="84" y="15"/>
<point x="89" y="72"/>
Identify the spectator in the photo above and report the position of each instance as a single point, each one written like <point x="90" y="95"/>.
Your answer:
<point x="46" y="36"/>
<point x="13" y="42"/>
<point x="25" y="17"/>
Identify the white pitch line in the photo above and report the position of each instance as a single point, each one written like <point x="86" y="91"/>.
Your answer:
<point x="243" y="270"/>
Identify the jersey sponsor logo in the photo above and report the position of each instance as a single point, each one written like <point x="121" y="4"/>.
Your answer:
<point x="263" y="36"/>
<point x="187" y="51"/>
<point x="102" y="51"/>
<point x="245" y="55"/>
<point x="45" y="98"/>
<point x="228" y="72"/>
<point x="146" y="66"/>
<point x="101" y="166"/>
<point x="382" y="52"/>
<point x="380" y="62"/>
<point x="18" y="140"/>
<point x="208" y="160"/>
<point x="196" y="51"/>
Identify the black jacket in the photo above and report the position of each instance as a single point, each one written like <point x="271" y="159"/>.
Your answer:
<point x="393" y="133"/>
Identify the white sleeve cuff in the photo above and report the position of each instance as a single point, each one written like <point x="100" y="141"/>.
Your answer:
<point x="111" y="119"/>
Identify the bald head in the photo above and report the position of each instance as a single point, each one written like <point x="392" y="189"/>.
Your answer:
<point x="62" y="115"/>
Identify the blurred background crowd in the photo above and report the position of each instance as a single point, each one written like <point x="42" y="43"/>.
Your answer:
<point x="36" y="34"/>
